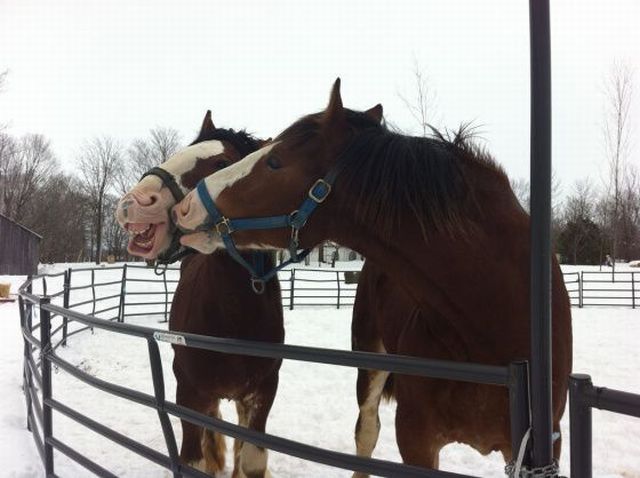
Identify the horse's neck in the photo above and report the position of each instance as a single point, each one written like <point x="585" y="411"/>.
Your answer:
<point x="222" y="256"/>
<point x="430" y="269"/>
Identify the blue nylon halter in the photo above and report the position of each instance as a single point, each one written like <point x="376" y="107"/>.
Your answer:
<point x="296" y="220"/>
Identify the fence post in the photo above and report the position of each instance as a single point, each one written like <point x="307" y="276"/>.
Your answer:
<point x="338" y="282"/>
<point x="580" y="425"/>
<point x="65" y="304"/>
<point x="633" y="290"/>
<point x="45" y="364"/>
<point x="292" y="288"/>
<point x="166" y="294"/>
<point x="159" y="393"/>
<point x="123" y="292"/>
<point x="93" y="292"/>
<point x="580" y="294"/>
<point x="519" y="407"/>
<point x="30" y="314"/>
<point x="26" y="371"/>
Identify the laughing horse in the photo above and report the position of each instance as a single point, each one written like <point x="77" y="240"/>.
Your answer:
<point x="439" y="217"/>
<point x="214" y="297"/>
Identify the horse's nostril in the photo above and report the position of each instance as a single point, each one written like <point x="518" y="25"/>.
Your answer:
<point x="185" y="206"/>
<point x="146" y="200"/>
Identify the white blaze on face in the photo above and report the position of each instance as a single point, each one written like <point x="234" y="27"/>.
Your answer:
<point x="219" y="181"/>
<point x="178" y="164"/>
<point x="185" y="160"/>
<point x="191" y="213"/>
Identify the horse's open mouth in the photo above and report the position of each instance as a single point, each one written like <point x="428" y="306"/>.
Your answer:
<point x="142" y="239"/>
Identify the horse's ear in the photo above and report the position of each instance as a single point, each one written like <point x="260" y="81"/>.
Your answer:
<point x="375" y="113"/>
<point x="334" y="114"/>
<point x="263" y="142"/>
<point x="207" y="124"/>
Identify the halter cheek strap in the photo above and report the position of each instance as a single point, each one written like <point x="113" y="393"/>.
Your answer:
<point x="175" y="251"/>
<point x="296" y="220"/>
<point x="167" y="180"/>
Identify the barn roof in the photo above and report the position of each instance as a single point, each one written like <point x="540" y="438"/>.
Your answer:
<point x="21" y="226"/>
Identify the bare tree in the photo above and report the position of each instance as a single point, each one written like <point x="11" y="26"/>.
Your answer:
<point x="59" y="214"/>
<point x="99" y="164"/>
<point x="144" y="154"/>
<point x="421" y="104"/>
<point x="8" y="160"/>
<point x="25" y="166"/>
<point x="3" y="79"/>
<point x="115" y="238"/>
<point x="522" y="191"/>
<point x="164" y="143"/>
<point x="578" y="226"/>
<point x="618" y="91"/>
<point x="629" y="216"/>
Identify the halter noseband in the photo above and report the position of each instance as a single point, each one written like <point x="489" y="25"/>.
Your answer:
<point x="296" y="220"/>
<point x="175" y="251"/>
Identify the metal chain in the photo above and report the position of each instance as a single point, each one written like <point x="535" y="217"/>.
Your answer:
<point x="548" y="471"/>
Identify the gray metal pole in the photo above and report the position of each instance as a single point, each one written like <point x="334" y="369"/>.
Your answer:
<point x="540" y="366"/>
<point x="580" y="425"/>
<point x="519" y="406"/>
<point x="47" y="422"/>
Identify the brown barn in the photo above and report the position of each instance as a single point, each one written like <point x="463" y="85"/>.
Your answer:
<point x="19" y="248"/>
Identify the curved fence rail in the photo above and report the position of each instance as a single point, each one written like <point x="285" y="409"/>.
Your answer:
<point x="54" y="307"/>
<point x="52" y="314"/>
<point x="306" y="287"/>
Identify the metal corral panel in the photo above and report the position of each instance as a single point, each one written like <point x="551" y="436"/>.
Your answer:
<point x="19" y="248"/>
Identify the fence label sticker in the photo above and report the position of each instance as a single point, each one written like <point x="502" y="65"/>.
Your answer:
<point x="171" y="338"/>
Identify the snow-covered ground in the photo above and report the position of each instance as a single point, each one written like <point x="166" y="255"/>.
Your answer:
<point x="315" y="404"/>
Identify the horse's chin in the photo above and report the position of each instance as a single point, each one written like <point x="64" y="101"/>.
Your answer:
<point x="203" y="242"/>
<point x="150" y="243"/>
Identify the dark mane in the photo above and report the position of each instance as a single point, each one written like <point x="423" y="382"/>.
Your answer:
<point x="391" y="174"/>
<point x="244" y="142"/>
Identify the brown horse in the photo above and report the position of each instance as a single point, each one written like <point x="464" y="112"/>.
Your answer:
<point x="213" y="297"/>
<point x="439" y="217"/>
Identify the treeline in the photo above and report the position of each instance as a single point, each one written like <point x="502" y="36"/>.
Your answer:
<point x="74" y="212"/>
<point x="592" y="222"/>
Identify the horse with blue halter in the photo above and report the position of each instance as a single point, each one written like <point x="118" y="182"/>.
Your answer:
<point x="215" y="296"/>
<point x="439" y="219"/>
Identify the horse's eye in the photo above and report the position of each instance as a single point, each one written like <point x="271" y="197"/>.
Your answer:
<point x="273" y="162"/>
<point x="222" y="163"/>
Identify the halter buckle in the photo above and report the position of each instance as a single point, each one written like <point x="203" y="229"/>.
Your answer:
<point x="320" y="196"/>
<point x="257" y="285"/>
<point x="223" y="227"/>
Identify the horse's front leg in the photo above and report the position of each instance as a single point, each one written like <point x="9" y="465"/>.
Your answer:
<point x="251" y="460"/>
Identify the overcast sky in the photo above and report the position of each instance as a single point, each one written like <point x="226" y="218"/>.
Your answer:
<point x="81" y="68"/>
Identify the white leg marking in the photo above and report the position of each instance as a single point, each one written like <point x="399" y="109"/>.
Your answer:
<point x="369" y="424"/>
<point x="253" y="460"/>
<point x="199" y="465"/>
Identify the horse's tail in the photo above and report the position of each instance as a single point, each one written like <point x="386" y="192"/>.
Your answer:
<point x="213" y="446"/>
